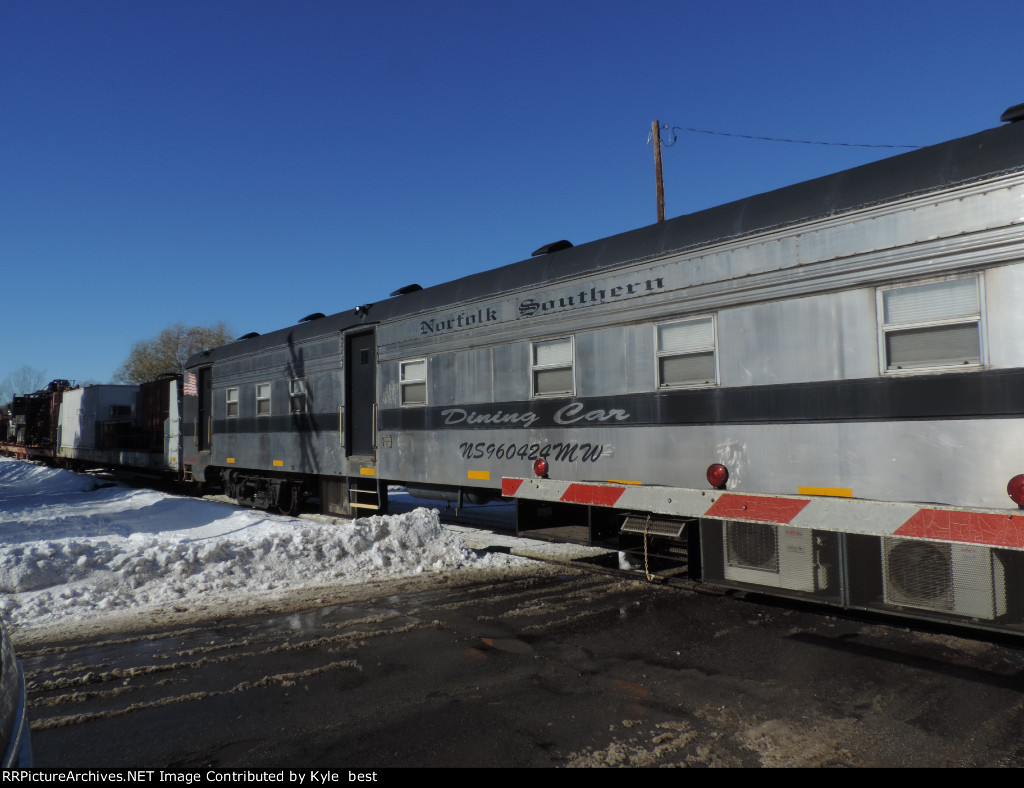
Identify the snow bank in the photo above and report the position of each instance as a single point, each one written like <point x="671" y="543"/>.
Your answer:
<point x="22" y="479"/>
<point x="69" y="551"/>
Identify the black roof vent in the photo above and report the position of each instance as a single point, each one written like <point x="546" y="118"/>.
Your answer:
<point x="314" y="316"/>
<point x="250" y="335"/>
<point x="553" y="247"/>
<point x="407" y="289"/>
<point x="1013" y="114"/>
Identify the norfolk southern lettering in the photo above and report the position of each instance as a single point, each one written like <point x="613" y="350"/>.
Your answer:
<point x="462" y="320"/>
<point x="528" y="307"/>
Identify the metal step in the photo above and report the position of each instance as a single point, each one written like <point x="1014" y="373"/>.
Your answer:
<point x="370" y="498"/>
<point x="673" y="529"/>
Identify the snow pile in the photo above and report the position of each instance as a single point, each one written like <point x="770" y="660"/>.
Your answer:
<point x="22" y="479"/>
<point x="69" y="551"/>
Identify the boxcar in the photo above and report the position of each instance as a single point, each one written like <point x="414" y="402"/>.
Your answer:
<point x="122" y="426"/>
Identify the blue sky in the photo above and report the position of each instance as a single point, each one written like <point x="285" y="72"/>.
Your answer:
<point x="254" y="161"/>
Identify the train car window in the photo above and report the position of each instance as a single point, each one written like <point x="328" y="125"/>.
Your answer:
<point x="232" y="403"/>
<point x="297" y="395"/>
<point x="413" y="376"/>
<point x="552" y="367"/>
<point x="935" y="324"/>
<point x="262" y="399"/>
<point x="686" y="353"/>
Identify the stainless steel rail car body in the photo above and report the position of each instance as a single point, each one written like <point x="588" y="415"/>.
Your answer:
<point x="857" y="337"/>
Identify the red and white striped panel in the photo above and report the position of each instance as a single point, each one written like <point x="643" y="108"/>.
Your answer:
<point x="848" y="515"/>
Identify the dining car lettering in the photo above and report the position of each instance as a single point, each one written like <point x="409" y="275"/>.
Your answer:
<point x="572" y="413"/>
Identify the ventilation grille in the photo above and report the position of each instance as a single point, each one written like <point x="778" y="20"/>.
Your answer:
<point x="752" y="546"/>
<point x="919" y="574"/>
<point x="965" y="580"/>
<point x="777" y="557"/>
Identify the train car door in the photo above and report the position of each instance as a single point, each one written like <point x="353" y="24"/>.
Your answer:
<point x="360" y="394"/>
<point x="204" y="416"/>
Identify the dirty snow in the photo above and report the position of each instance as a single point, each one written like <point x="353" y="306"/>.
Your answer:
<point x="73" y="550"/>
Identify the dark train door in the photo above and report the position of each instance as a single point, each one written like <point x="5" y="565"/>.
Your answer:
<point x="360" y="394"/>
<point x="204" y="415"/>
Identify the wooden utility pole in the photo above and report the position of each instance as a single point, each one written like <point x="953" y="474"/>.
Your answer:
<point x="656" y="137"/>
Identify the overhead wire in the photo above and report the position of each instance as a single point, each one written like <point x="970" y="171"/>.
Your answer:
<point x="673" y="129"/>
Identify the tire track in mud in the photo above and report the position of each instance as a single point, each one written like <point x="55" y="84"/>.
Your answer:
<point x="280" y="678"/>
<point x="562" y="668"/>
<point x="78" y="683"/>
<point x="525" y="597"/>
<point x="148" y="669"/>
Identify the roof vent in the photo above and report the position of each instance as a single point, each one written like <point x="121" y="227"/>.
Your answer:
<point x="407" y="289"/>
<point x="314" y="316"/>
<point x="552" y="247"/>
<point x="250" y="335"/>
<point x="1013" y="114"/>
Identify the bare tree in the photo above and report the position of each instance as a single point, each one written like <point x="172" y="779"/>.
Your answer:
<point x="169" y="350"/>
<point x="23" y="380"/>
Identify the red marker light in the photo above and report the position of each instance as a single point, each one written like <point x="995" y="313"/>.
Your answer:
<point x="540" y="467"/>
<point x="1015" y="489"/>
<point x="717" y="475"/>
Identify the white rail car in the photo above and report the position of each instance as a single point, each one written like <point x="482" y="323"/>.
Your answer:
<point x="817" y="391"/>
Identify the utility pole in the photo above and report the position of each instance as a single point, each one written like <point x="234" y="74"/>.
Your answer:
<point x="656" y="137"/>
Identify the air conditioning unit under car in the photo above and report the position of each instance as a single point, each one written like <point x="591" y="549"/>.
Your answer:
<point x="966" y="580"/>
<point x="772" y="555"/>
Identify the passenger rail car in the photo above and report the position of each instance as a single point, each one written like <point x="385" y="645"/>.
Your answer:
<point x="814" y="392"/>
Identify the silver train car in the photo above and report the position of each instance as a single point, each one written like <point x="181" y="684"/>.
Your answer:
<point x="813" y="392"/>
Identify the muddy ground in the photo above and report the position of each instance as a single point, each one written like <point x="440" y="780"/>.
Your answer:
<point x="555" y="667"/>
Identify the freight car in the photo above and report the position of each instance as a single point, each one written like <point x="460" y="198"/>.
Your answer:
<point x="132" y="427"/>
<point x="29" y="424"/>
<point x="813" y="392"/>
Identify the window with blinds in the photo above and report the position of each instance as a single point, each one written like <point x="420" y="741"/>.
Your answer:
<point x="937" y="324"/>
<point x="686" y="353"/>
<point x="413" y="376"/>
<point x="297" y="395"/>
<point x="231" y="398"/>
<point x="552" y="367"/>
<point x="262" y="399"/>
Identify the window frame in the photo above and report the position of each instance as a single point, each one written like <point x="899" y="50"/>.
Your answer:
<point x="535" y="367"/>
<point x="297" y="393"/>
<point x="261" y="399"/>
<point x="886" y="329"/>
<point x="662" y="354"/>
<point x="228" y="402"/>
<point x="403" y="383"/>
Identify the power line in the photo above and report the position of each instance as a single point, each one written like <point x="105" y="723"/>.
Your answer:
<point x="674" y="129"/>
